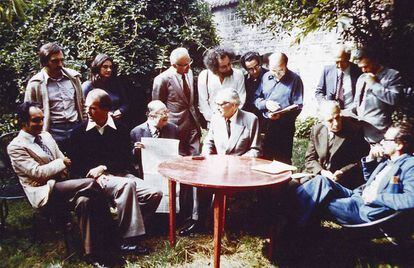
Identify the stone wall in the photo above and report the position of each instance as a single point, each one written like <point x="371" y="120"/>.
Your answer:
<point x="306" y="58"/>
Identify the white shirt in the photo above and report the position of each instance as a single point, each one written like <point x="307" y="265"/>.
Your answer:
<point x="208" y="86"/>
<point x="232" y="123"/>
<point x="109" y="122"/>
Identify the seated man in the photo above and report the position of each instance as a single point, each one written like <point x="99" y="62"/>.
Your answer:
<point x="389" y="184"/>
<point x="101" y="150"/>
<point x="336" y="147"/>
<point x="157" y="126"/>
<point x="43" y="170"/>
<point x="232" y="132"/>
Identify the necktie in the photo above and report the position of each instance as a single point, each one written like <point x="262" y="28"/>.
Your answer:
<point x="362" y="95"/>
<point x="156" y="133"/>
<point x="186" y="88"/>
<point x="38" y="141"/>
<point x="340" y="89"/>
<point x="228" y="128"/>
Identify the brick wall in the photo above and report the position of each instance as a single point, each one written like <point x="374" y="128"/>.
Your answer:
<point x="306" y="58"/>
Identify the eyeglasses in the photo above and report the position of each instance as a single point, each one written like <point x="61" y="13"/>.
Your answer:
<point x="385" y="139"/>
<point x="185" y="65"/>
<point x="55" y="61"/>
<point x="222" y="104"/>
<point x="254" y="68"/>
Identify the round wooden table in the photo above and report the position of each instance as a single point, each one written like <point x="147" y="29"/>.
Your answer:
<point x="222" y="174"/>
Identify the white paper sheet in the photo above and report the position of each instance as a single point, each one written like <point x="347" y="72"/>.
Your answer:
<point x="156" y="151"/>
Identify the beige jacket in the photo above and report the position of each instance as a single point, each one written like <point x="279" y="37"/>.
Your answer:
<point x="37" y="173"/>
<point x="36" y="91"/>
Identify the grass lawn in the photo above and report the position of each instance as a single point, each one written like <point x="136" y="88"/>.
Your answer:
<point x="244" y="244"/>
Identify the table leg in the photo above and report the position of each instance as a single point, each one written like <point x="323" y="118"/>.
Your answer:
<point x="218" y="225"/>
<point x="223" y="216"/>
<point x="172" y="186"/>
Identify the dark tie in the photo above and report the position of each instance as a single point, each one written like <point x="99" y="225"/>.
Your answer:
<point x="361" y="96"/>
<point x="156" y="133"/>
<point x="228" y="127"/>
<point x="186" y="88"/>
<point x="38" y="141"/>
<point x="340" y="89"/>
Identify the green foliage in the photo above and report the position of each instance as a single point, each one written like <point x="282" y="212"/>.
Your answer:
<point x="12" y="10"/>
<point x="138" y="34"/>
<point x="303" y="127"/>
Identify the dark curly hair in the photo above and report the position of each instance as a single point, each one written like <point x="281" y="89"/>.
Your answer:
<point x="23" y="114"/>
<point x="405" y="136"/>
<point x="48" y="50"/>
<point x="249" y="56"/>
<point x="96" y="65"/>
<point x="213" y="55"/>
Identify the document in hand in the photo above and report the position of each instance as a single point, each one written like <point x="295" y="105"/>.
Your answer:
<point x="286" y="110"/>
<point x="156" y="151"/>
<point x="274" y="167"/>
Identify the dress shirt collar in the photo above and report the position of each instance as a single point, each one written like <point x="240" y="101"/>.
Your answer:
<point x="347" y="71"/>
<point x="232" y="118"/>
<point x="109" y="122"/>
<point x="152" y="127"/>
<point x="27" y="136"/>
<point x="396" y="158"/>
<point x="53" y="79"/>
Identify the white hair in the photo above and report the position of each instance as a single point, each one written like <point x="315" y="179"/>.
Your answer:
<point x="228" y="94"/>
<point x="328" y="107"/>
<point x="155" y="106"/>
<point x="177" y="54"/>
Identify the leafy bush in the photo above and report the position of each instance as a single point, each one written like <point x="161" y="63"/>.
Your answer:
<point x="303" y="127"/>
<point x="138" y="34"/>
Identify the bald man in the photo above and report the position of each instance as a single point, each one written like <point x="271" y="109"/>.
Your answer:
<point x="338" y="81"/>
<point x="101" y="150"/>
<point x="280" y="88"/>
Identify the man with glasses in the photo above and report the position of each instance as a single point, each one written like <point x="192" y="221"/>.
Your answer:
<point x="175" y="88"/>
<point x="219" y="75"/>
<point x="252" y="63"/>
<point x="279" y="98"/>
<point x="58" y="90"/>
<point x="157" y="126"/>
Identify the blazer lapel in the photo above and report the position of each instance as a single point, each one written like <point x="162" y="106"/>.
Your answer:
<point x="380" y="167"/>
<point x="336" y="143"/>
<point x="384" y="183"/>
<point x="178" y="87"/>
<point x="236" y="131"/>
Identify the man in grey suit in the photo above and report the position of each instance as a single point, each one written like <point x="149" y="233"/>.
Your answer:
<point x="377" y="92"/>
<point x="175" y="88"/>
<point x="43" y="169"/>
<point x="157" y="126"/>
<point x="336" y="147"/>
<point x="338" y="81"/>
<point x="232" y="132"/>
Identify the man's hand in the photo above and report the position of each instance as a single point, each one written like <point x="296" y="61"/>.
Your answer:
<point x="139" y="145"/>
<point x="370" y="79"/>
<point x="117" y="114"/>
<point x="272" y="106"/>
<point x="96" y="172"/>
<point x="376" y="151"/>
<point x="337" y="174"/>
<point x="67" y="162"/>
<point x="274" y="116"/>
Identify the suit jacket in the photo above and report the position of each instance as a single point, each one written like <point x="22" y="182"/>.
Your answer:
<point x="169" y="131"/>
<point x="36" y="171"/>
<point x="36" y="91"/>
<point x="395" y="193"/>
<point x="374" y="104"/>
<point x="326" y="88"/>
<point x="345" y="153"/>
<point x="244" y="138"/>
<point x="90" y="149"/>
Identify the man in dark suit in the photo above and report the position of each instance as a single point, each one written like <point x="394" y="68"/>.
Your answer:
<point x="336" y="147"/>
<point x="175" y="88"/>
<point x="338" y="81"/>
<point x="157" y="126"/>
<point x="101" y="150"/>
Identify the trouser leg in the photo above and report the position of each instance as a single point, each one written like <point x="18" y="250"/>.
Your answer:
<point x="123" y="192"/>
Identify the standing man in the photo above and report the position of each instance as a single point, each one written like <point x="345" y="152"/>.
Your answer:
<point x="336" y="147"/>
<point x="42" y="170"/>
<point x="377" y="93"/>
<point x="59" y="92"/>
<point x="252" y="63"/>
<point x="219" y="75"/>
<point x="101" y="150"/>
<point x="280" y="89"/>
<point x="175" y="88"/>
<point x="338" y="81"/>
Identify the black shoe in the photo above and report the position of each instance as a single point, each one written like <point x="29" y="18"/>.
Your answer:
<point x="134" y="249"/>
<point x="94" y="261"/>
<point x="190" y="229"/>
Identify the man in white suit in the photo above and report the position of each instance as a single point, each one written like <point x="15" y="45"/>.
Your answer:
<point x="232" y="132"/>
<point x="42" y="170"/>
